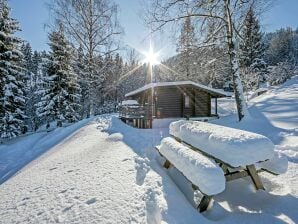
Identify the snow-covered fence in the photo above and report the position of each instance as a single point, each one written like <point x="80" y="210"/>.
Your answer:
<point x="208" y="155"/>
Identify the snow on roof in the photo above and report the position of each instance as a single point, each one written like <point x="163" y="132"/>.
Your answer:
<point x="178" y="83"/>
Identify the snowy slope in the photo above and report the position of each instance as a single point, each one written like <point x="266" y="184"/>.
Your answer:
<point x="273" y="114"/>
<point x="18" y="153"/>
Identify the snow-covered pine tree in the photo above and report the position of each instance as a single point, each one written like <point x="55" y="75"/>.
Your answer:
<point x="27" y="53"/>
<point x="80" y="69"/>
<point x="252" y="52"/>
<point x="60" y="101"/>
<point x="30" y="85"/>
<point x="186" y="46"/>
<point x="36" y="61"/>
<point x="12" y="85"/>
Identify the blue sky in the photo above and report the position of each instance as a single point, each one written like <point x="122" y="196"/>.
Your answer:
<point x="33" y="15"/>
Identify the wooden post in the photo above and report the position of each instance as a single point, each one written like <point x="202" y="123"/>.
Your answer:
<point x="143" y="123"/>
<point x="204" y="203"/>
<point x="167" y="164"/>
<point x="134" y="122"/>
<point x="251" y="169"/>
<point x="216" y="106"/>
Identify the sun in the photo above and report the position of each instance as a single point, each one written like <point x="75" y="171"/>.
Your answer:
<point x="151" y="57"/>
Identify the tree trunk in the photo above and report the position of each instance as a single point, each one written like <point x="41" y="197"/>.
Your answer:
<point x="234" y="63"/>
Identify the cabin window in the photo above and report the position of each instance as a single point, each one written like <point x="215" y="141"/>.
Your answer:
<point x="186" y="101"/>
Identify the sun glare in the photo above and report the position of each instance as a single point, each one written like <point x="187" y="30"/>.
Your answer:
<point x="151" y="57"/>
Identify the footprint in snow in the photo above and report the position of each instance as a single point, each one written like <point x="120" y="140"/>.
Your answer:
<point x="39" y="213"/>
<point x="142" y="167"/>
<point x="91" y="201"/>
<point x="153" y="213"/>
<point x="67" y="208"/>
<point x="62" y="192"/>
<point x="127" y="159"/>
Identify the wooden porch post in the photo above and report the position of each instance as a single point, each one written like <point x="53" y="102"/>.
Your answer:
<point x="216" y="106"/>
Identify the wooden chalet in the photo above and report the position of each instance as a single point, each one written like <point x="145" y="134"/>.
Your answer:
<point x="182" y="99"/>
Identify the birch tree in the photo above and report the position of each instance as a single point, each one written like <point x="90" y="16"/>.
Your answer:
<point x="228" y="17"/>
<point x="186" y="45"/>
<point x="93" y="26"/>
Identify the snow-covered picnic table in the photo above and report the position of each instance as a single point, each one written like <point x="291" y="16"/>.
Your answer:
<point x="208" y="155"/>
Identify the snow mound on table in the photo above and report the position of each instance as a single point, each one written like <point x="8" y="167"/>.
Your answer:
<point x="174" y="128"/>
<point x="233" y="146"/>
<point x="200" y="170"/>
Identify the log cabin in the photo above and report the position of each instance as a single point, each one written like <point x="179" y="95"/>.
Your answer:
<point x="169" y="100"/>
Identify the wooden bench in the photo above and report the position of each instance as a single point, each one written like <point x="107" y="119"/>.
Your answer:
<point x="230" y="172"/>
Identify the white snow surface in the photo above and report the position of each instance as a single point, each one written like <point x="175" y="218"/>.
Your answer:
<point x="16" y="154"/>
<point x="200" y="170"/>
<point x="233" y="146"/>
<point x="108" y="172"/>
<point x="103" y="173"/>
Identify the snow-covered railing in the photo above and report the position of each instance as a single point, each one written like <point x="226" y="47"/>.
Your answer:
<point x="199" y="149"/>
<point x="135" y="111"/>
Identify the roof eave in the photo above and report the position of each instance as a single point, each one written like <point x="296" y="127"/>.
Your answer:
<point x="214" y="94"/>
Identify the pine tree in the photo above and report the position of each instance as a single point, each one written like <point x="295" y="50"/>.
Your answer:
<point x="61" y="93"/>
<point x="30" y="85"/>
<point x="252" y="52"/>
<point x="11" y="76"/>
<point x="36" y="61"/>
<point x="80" y="69"/>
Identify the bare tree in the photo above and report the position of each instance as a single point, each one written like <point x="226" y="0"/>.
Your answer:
<point x="227" y="17"/>
<point x="91" y="25"/>
<point x="186" y="44"/>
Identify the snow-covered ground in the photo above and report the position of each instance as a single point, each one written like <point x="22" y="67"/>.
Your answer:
<point x="107" y="172"/>
<point x="15" y="154"/>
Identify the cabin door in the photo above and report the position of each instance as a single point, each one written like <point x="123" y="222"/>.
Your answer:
<point x="187" y="105"/>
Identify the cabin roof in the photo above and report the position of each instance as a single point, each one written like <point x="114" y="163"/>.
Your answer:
<point x="213" y="92"/>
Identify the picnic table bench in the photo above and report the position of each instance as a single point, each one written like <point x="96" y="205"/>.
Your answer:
<point x="210" y="155"/>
